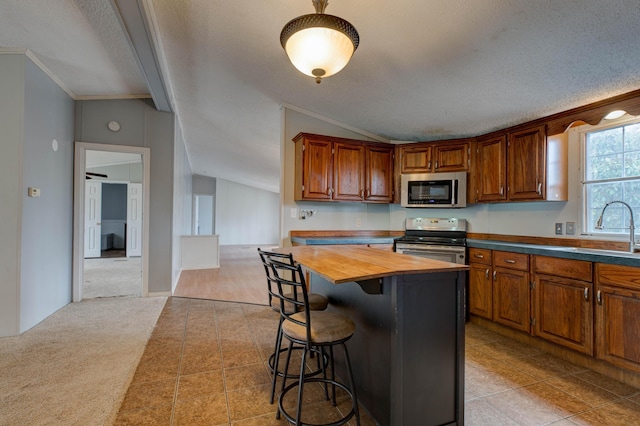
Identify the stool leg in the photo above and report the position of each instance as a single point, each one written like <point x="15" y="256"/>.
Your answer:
<point x="284" y="375"/>
<point x="354" y="397"/>
<point x="301" y="385"/>
<point x="322" y="367"/>
<point x="276" y="361"/>
<point x="333" y="377"/>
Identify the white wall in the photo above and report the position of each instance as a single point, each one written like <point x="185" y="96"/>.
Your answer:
<point x="246" y="215"/>
<point x="35" y="254"/>
<point x="11" y="122"/>
<point x="182" y="195"/>
<point x="47" y="221"/>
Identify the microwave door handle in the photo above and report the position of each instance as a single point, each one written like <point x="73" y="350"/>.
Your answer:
<point x="455" y="192"/>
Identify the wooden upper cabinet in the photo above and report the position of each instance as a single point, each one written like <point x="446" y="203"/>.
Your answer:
<point x="379" y="173"/>
<point x="337" y="169"/>
<point x="527" y="164"/>
<point x="450" y="157"/>
<point x="314" y="169"/>
<point x="491" y="169"/>
<point x="415" y="158"/>
<point x="348" y="171"/>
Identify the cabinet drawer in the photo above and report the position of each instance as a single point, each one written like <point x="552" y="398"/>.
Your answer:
<point x="478" y="255"/>
<point x="510" y="260"/>
<point x="567" y="268"/>
<point x="618" y="275"/>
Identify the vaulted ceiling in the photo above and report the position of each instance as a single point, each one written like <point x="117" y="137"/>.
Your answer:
<point x="424" y="70"/>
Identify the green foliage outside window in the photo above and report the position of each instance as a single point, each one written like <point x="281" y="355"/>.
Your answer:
<point x="612" y="172"/>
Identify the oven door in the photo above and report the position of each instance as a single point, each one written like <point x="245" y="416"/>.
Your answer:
<point x="452" y="254"/>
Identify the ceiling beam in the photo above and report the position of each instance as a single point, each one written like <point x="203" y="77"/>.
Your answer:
<point x="137" y="28"/>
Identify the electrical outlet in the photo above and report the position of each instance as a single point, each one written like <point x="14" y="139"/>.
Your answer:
<point x="558" y="228"/>
<point x="570" y="228"/>
<point x="294" y="213"/>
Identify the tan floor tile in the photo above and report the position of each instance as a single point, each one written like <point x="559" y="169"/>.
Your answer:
<point x="537" y="404"/>
<point x="147" y="416"/>
<point x="149" y="394"/>
<point x="585" y="391"/>
<point x="205" y="410"/>
<point x="495" y="378"/>
<point x="246" y="376"/>
<point x="243" y="354"/>
<point x="543" y="366"/>
<point x="481" y="413"/>
<point x="607" y="383"/>
<point x="265" y="420"/>
<point x="154" y="371"/>
<point x="618" y="413"/>
<point x="250" y="402"/>
<point x="200" y="384"/>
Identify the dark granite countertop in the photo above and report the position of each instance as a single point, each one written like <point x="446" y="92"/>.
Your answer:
<point x="309" y="241"/>
<point x="578" y="253"/>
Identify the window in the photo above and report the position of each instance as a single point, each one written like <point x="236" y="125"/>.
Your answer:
<point x="611" y="172"/>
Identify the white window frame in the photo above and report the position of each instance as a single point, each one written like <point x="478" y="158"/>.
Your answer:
<point x="583" y="130"/>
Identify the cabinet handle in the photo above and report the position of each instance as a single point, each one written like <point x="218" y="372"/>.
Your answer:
<point x="509" y="261"/>
<point x="539" y="188"/>
<point x="479" y="256"/>
<point x="436" y="164"/>
<point x="501" y="190"/>
<point x="486" y="273"/>
<point x="599" y="297"/>
<point x="429" y="165"/>
<point x="586" y="294"/>
<point x="368" y="193"/>
<point x="494" y="275"/>
<point x="362" y="194"/>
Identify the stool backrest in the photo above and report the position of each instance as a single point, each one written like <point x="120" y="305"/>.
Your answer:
<point x="272" y="286"/>
<point x="292" y="292"/>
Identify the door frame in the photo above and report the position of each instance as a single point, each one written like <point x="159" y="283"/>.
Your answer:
<point x="78" y="210"/>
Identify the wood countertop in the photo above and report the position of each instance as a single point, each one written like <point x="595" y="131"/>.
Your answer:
<point x="346" y="263"/>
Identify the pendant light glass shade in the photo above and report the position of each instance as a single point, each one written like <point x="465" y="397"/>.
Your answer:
<point x="319" y="45"/>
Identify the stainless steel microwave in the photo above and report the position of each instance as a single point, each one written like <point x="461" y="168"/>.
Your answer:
<point x="427" y="190"/>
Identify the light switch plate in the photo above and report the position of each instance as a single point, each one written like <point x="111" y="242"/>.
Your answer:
<point x="558" y="228"/>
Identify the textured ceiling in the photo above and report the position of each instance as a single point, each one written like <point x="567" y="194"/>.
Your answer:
<point x="424" y="70"/>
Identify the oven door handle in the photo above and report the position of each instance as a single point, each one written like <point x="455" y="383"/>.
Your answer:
<point x="430" y="248"/>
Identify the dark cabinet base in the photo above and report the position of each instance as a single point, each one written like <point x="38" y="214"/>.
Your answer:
<point x="407" y="353"/>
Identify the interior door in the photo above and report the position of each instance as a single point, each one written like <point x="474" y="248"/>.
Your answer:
<point x="134" y="219"/>
<point x="92" y="218"/>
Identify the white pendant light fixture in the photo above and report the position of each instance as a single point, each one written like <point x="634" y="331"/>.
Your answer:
<point x="319" y="45"/>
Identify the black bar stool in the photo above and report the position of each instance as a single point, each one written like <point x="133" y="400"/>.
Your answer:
<point x="317" y="302"/>
<point x="311" y="329"/>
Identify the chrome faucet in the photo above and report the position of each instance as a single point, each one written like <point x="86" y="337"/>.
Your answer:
<point x="632" y="229"/>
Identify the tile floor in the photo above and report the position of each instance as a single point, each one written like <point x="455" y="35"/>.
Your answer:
<point x="205" y="363"/>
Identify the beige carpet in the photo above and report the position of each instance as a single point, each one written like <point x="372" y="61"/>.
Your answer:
<point x="112" y="277"/>
<point x="75" y="367"/>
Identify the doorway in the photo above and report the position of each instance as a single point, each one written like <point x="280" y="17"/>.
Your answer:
<point x="203" y="214"/>
<point x="111" y="187"/>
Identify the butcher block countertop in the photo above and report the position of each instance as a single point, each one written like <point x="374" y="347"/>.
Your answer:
<point x="346" y="263"/>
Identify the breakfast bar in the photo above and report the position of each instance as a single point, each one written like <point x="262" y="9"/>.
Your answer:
<point x="407" y="353"/>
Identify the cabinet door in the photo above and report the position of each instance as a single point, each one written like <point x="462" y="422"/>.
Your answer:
<point x="348" y="171"/>
<point x="511" y="298"/>
<point x="491" y="169"/>
<point x="564" y="312"/>
<point x="317" y="169"/>
<point x="618" y="326"/>
<point x="379" y="174"/>
<point x="451" y="157"/>
<point x="527" y="160"/>
<point x="480" y="290"/>
<point x="415" y="159"/>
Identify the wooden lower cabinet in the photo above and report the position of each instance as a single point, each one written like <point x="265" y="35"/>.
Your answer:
<point x="480" y="283"/>
<point x="618" y="315"/>
<point x="511" y="299"/>
<point x="563" y="302"/>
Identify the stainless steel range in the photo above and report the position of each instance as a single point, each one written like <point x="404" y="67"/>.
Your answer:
<point x="435" y="238"/>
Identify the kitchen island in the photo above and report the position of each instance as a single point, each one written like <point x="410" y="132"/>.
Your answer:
<point x="407" y="353"/>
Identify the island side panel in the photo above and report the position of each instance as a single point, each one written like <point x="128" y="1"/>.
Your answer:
<point x="408" y="350"/>
<point x="370" y="346"/>
<point x="429" y="351"/>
